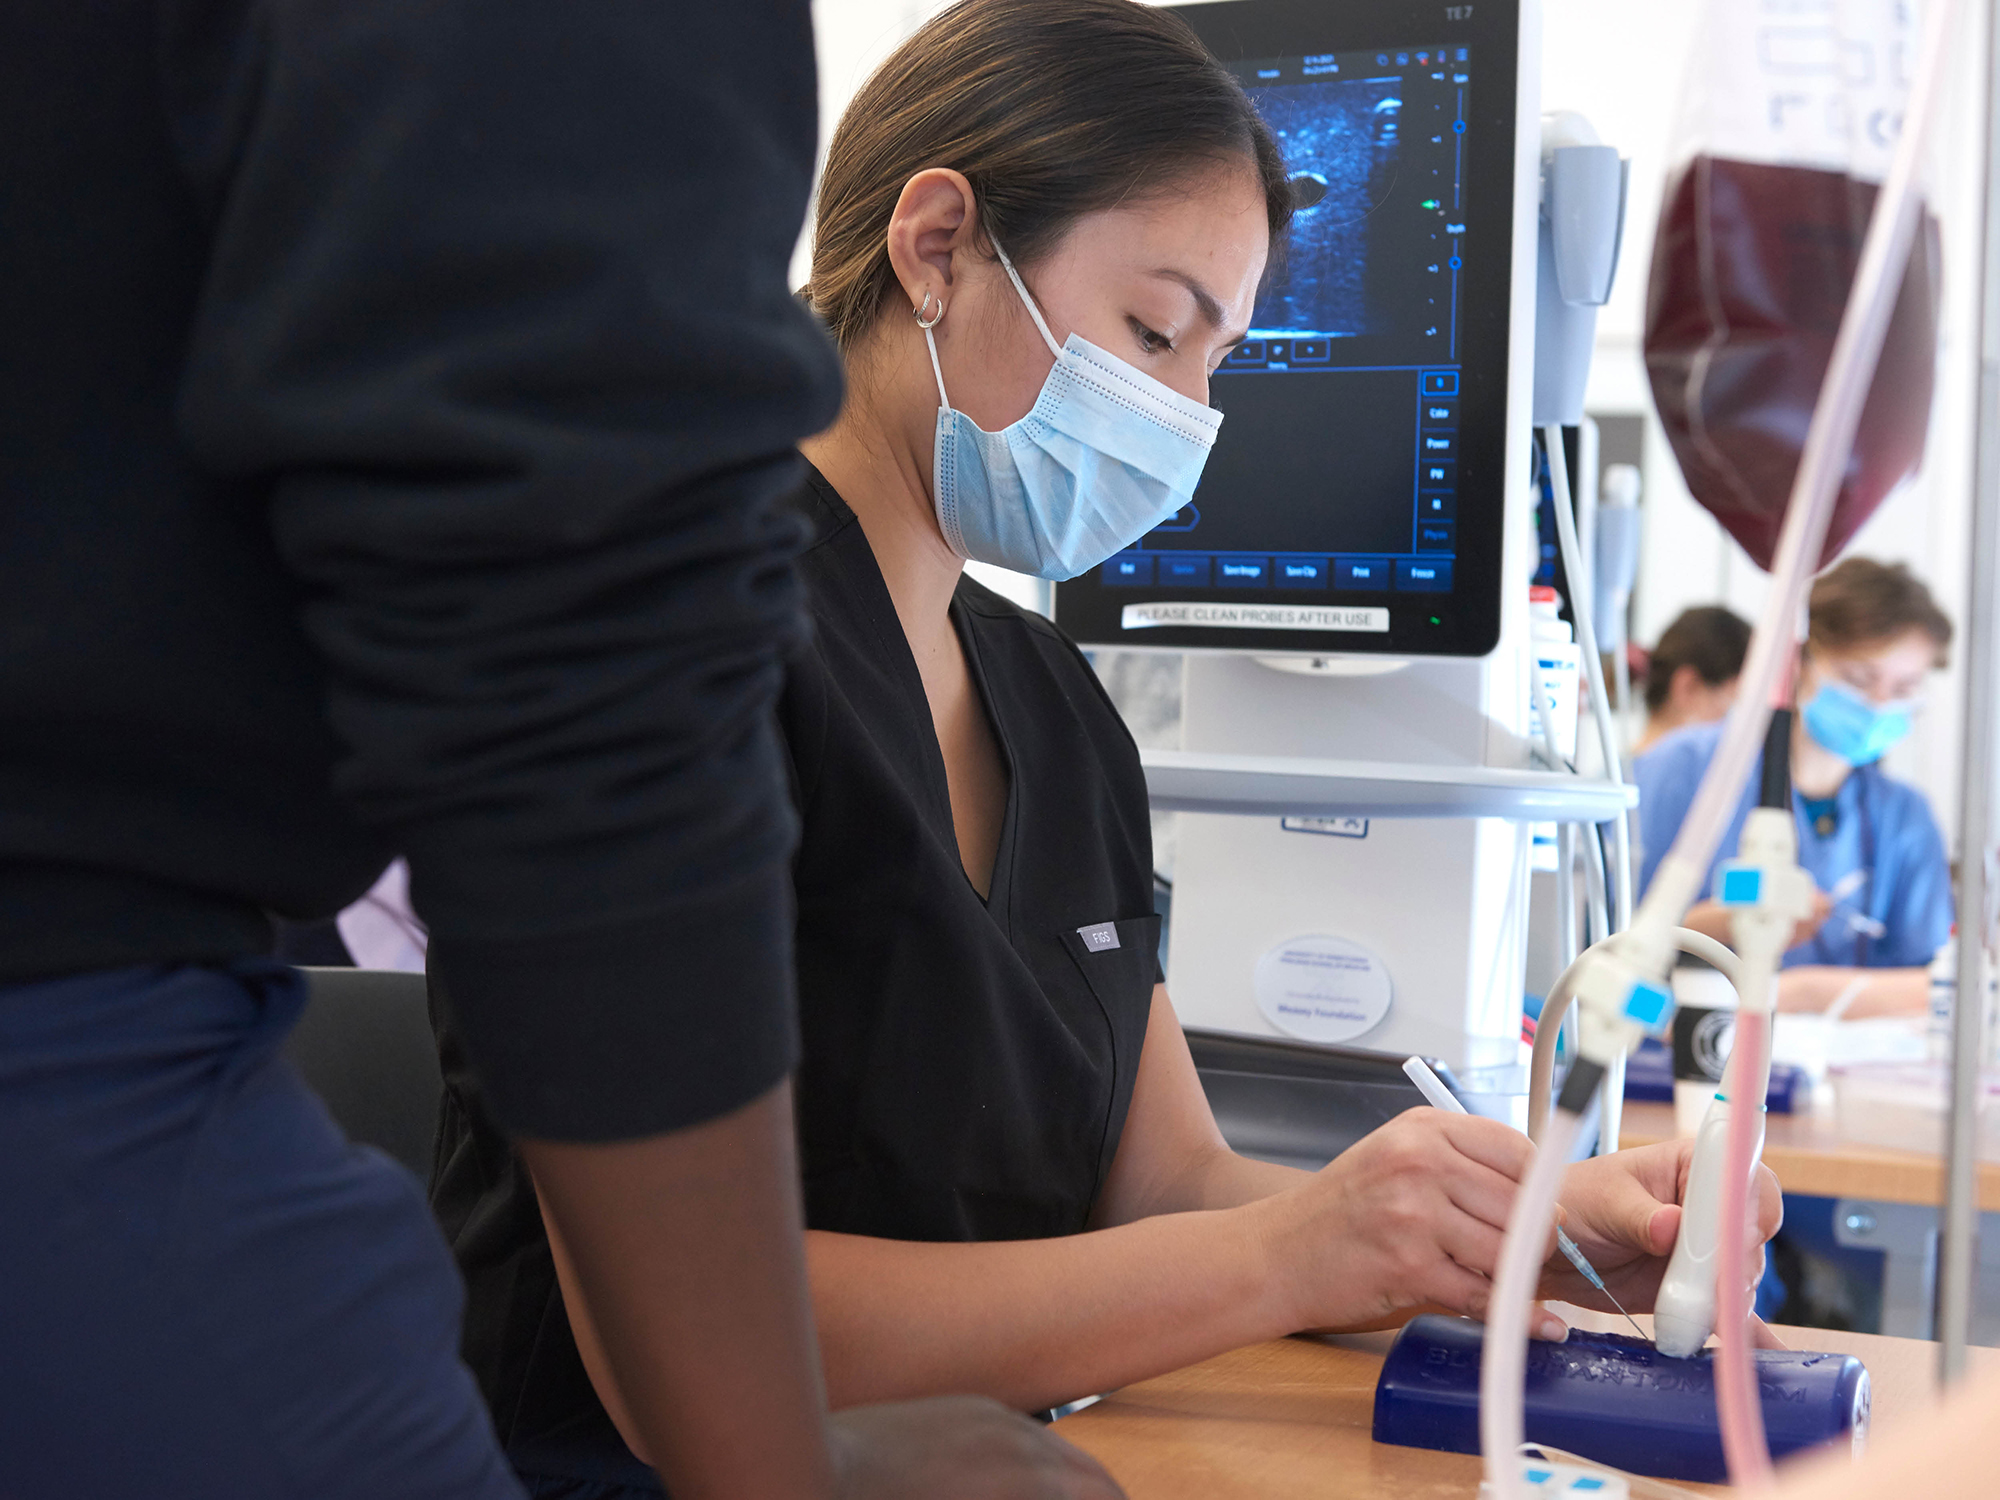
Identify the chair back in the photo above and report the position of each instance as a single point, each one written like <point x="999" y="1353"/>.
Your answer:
<point x="364" y="1045"/>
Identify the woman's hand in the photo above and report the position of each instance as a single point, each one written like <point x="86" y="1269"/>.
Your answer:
<point x="1712" y="919"/>
<point x="1410" y="1216"/>
<point x="1623" y="1211"/>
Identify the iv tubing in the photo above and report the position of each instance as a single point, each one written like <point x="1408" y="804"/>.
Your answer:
<point x="1829" y="442"/>
<point x="1542" y="1060"/>
<point x="1503" y="1367"/>
<point x="1744" y="1445"/>
<point x="1678" y="882"/>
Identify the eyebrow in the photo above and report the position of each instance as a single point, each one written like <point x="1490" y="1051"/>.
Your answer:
<point x="1204" y="300"/>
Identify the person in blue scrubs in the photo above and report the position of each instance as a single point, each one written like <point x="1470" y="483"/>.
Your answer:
<point x="1870" y="842"/>
<point x="1692" y="671"/>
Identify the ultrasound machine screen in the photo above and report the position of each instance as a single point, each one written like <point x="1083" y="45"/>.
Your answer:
<point x="1355" y="497"/>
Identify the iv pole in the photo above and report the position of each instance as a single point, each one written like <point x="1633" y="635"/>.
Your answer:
<point x="1957" y="1243"/>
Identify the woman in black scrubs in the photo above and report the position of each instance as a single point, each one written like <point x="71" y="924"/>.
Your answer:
<point x="1013" y="1183"/>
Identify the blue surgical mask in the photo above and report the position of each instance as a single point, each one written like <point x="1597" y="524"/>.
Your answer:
<point x="1851" y="727"/>
<point x="1104" y="456"/>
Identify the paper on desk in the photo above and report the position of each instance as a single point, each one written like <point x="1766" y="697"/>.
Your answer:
<point x="1816" y="1044"/>
<point x="1903" y="1106"/>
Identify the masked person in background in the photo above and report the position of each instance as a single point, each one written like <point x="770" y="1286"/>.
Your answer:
<point x="1041" y="227"/>
<point x="1870" y="842"/>
<point x="1691" y="672"/>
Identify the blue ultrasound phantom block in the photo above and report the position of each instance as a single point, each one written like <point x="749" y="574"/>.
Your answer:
<point x="1614" y="1399"/>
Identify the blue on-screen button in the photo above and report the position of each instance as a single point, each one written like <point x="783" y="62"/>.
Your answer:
<point x="1423" y="575"/>
<point x="1187" y="570"/>
<point x="1129" y="568"/>
<point x="1300" y="572"/>
<point x="1243" y="572"/>
<point x="1434" y="536"/>
<point x="1361" y="573"/>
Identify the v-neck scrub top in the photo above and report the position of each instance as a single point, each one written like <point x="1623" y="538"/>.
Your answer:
<point x="967" y="1063"/>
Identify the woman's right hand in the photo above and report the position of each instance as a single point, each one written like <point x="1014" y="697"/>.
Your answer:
<point x="1410" y="1216"/>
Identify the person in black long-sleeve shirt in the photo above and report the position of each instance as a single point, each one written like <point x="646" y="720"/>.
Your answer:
<point x="392" y="402"/>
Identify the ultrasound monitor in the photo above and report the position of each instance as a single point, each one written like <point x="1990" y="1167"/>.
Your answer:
<point x="1355" y="499"/>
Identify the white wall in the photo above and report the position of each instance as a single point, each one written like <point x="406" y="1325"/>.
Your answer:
<point x="852" y="38"/>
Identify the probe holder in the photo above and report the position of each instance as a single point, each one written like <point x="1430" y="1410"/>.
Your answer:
<point x="1613" y="1399"/>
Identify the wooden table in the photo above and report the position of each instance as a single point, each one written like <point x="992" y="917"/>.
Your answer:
<point x="1291" y="1419"/>
<point x="1810" y="1158"/>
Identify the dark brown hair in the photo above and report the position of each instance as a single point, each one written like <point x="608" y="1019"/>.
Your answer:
<point x="1051" y="108"/>
<point x="1709" y="638"/>
<point x="1861" y="602"/>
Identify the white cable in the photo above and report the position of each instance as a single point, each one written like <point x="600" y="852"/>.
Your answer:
<point x="1611" y="1105"/>
<point x="1594" y="882"/>
<point x="1567" y="945"/>
<point x="1593" y="664"/>
<point x="1503" y="1366"/>
<point x="1611" y="1112"/>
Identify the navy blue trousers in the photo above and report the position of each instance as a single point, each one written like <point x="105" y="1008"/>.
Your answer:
<point x="206" y="1292"/>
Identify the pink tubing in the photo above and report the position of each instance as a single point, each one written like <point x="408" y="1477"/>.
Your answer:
<point x="1738" y="1404"/>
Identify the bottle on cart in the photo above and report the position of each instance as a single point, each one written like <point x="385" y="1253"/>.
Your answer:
<point x="1944" y="997"/>
<point x="1556" y="675"/>
<point x="1944" y="1002"/>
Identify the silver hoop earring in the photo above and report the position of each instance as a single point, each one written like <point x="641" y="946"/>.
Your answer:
<point x="934" y="317"/>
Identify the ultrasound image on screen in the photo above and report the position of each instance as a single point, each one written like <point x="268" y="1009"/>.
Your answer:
<point x="1340" y="141"/>
<point x="1357" y="470"/>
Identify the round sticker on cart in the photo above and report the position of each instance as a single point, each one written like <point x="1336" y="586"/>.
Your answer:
<point x="1322" y="989"/>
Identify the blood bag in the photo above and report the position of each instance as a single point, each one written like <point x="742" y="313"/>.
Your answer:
<point x="1786" y="129"/>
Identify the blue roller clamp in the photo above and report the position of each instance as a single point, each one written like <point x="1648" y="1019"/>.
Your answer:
<point x="1613" y="1399"/>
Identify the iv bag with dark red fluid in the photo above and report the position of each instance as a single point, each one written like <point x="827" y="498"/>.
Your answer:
<point x="1786" y="132"/>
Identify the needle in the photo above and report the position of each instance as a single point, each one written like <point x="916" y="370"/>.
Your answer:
<point x="1433" y="1089"/>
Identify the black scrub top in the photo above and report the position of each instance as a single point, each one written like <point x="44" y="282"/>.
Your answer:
<point x="967" y="1063"/>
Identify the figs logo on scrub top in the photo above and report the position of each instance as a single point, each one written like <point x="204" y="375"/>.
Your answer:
<point x="1322" y="989"/>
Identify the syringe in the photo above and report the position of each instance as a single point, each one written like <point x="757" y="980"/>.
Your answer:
<point x="1433" y="1089"/>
